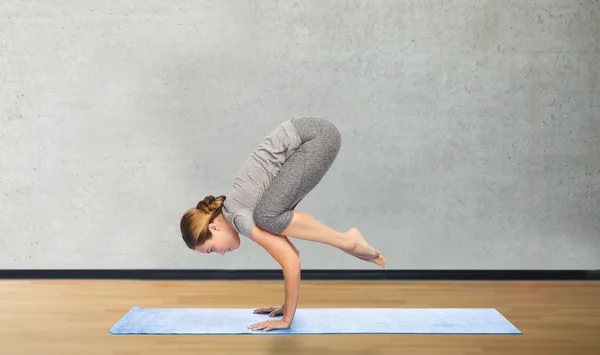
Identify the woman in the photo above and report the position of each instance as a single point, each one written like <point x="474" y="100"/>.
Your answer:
<point x="279" y="173"/>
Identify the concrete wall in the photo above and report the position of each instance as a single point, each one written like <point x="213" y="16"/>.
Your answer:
<point x="471" y="128"/>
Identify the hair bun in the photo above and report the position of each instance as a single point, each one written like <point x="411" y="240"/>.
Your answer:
<point x="210" y="203"/>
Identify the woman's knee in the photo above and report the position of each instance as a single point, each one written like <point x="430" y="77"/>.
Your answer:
<point x="264" y="219"/>
<point x="271" y="221"/>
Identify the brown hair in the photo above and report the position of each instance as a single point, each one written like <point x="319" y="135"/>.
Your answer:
<point x="195" y="221"/>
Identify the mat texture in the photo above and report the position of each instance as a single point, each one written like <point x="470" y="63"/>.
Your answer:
<point x="317" y="321"/>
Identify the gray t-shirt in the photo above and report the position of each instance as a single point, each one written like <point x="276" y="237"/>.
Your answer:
<point x="256" y="174"/>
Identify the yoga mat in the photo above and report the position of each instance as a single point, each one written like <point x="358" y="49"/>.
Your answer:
<point x="317" y="321"/>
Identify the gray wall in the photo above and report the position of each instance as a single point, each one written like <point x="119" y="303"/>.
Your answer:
<point x="471" y="128"/>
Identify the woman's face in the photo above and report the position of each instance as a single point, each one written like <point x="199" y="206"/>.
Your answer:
<point x="224" y="238"/>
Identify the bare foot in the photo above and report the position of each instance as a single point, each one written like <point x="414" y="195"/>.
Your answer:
<point x="380" y="260"/>
<point x="359" y="246"/>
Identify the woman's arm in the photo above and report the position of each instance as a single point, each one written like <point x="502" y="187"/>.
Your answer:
<point x="292" y="245"/>
<point x="284" y="254"/>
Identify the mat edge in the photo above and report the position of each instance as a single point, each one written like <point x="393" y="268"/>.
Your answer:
<point x="119" y="323"/>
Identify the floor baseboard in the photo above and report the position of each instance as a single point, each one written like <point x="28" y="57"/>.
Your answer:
<point x="272" y="274"/>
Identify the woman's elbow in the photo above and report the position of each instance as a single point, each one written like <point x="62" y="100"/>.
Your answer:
<point x="292" y="264"/>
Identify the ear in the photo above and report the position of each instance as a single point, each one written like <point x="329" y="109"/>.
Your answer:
<point x="213" y="227"/>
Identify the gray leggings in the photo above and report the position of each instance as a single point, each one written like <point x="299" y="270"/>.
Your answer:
<point x="300" y="173"/>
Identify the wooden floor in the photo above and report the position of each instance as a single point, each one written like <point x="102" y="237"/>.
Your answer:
<point x="73" y="317"/>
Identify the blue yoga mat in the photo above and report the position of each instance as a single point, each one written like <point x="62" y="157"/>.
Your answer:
<point x="317" y="321"/>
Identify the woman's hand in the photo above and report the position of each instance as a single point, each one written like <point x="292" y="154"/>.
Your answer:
<point x="270" y="325"/>
<point x="273" y="311"/>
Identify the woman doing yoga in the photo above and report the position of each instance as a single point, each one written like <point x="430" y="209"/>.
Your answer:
<point x="279" y="173"/>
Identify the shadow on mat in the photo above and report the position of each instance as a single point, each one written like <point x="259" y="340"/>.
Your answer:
<point x="318" y="344"/>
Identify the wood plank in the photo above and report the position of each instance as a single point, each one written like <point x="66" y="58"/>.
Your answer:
<point x="63" y="317"/>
